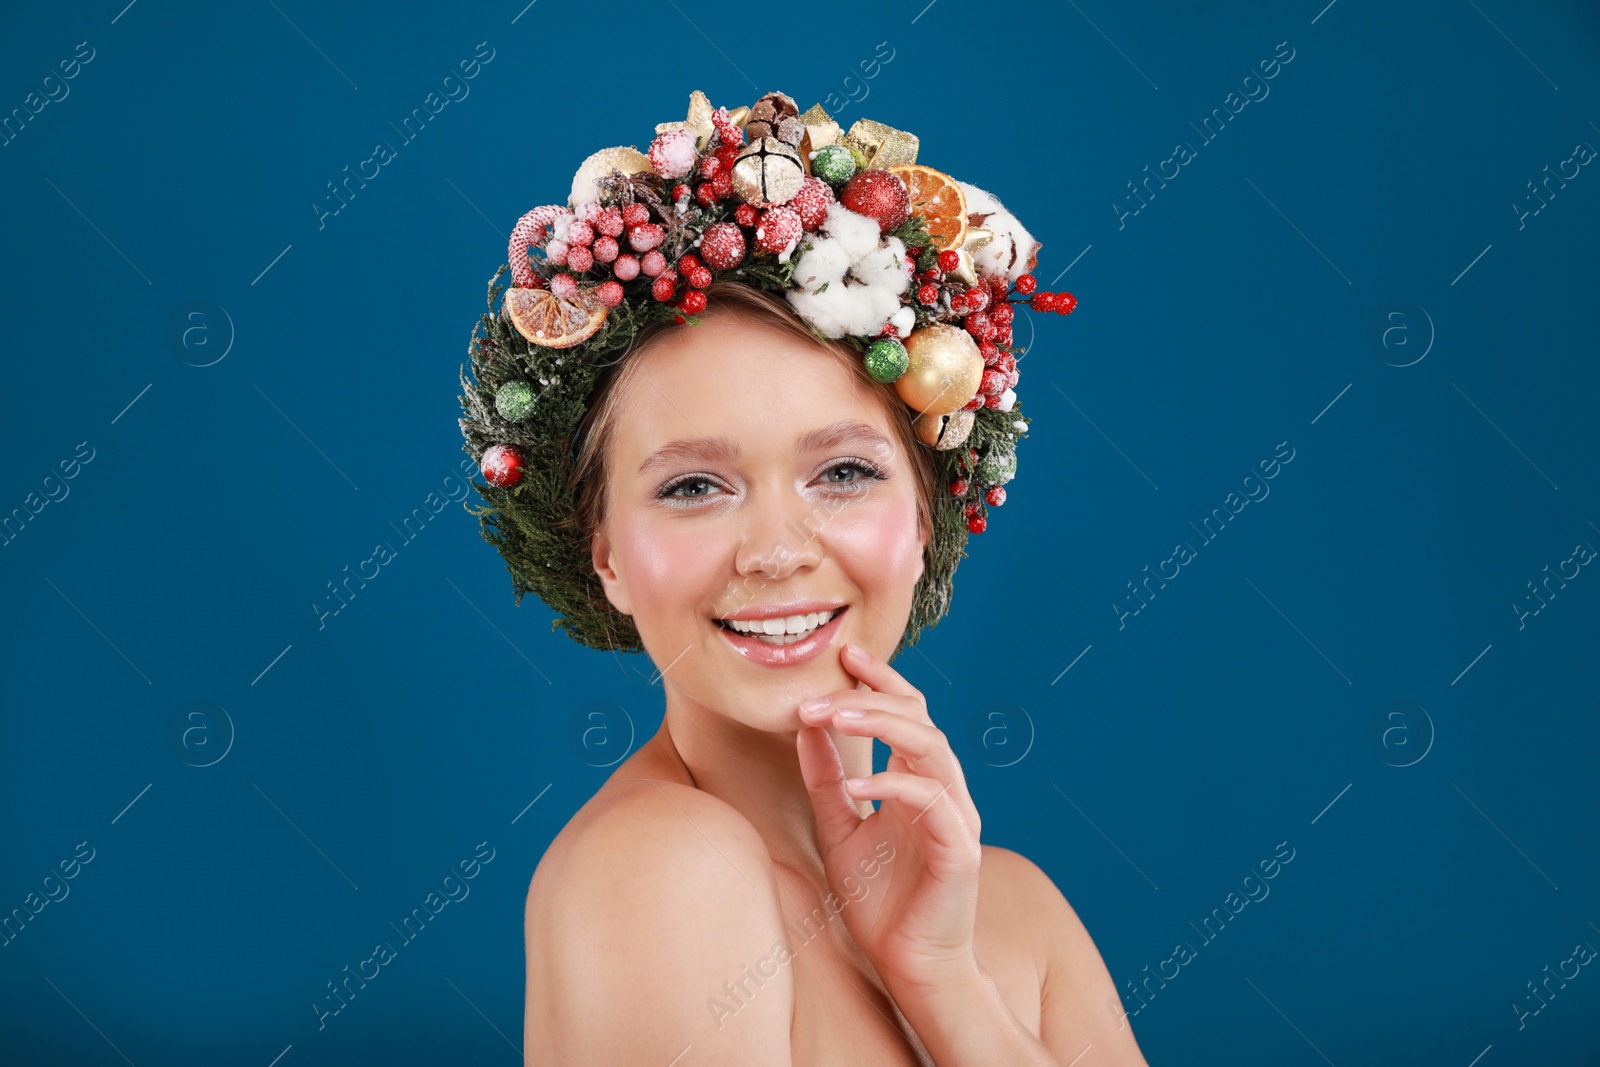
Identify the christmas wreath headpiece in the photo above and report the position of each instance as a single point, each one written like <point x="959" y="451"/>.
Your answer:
<point x="919" y="272"/>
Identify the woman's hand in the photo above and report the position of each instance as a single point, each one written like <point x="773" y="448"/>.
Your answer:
<point x="915" y="922"/>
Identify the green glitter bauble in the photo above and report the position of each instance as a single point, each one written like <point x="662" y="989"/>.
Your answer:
<point x="514" y="401"/>
<point x="886" y="359"/>
<point x="998" y="468"/>
<point x="834" y="164"/>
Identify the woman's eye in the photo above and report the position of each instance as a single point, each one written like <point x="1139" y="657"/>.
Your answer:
<point x="688" y="484"/>
<point x="862" y="470"/>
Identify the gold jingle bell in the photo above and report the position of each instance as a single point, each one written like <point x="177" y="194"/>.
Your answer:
<point x="943" y="369"/>
<point x="768" y="172"/>
<point x="944" y="432"/>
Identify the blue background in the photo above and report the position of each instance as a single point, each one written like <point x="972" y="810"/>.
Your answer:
<point x="1442" y="858"/>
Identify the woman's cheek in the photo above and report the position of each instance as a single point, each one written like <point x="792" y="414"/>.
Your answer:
<point x="666" y="560"/>
<point x="878" y="544"/>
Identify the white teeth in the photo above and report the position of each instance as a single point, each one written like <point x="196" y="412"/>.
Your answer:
<point x="783" y="630"/>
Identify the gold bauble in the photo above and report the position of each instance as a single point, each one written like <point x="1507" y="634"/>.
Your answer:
<point x="767" y="172"/>
<point x="943" y="371"/>
<point x="628" y="160"/>
<point x="944" y="432"/>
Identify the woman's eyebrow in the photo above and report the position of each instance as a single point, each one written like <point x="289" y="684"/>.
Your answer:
<point x="727" y="449"/>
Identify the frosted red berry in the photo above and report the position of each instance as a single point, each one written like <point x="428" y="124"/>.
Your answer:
<point x="949" y="260"/>
<point x="1025" y="284"/>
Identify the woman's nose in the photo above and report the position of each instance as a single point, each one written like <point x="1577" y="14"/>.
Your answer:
<point x="779" y="537"/>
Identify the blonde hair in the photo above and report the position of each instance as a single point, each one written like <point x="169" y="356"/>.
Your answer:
<point x="590" y="475"/>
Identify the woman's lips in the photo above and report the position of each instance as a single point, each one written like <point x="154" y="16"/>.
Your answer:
<point x="783" y="655"/>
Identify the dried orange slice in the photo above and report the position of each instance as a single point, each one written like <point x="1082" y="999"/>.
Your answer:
<point x="938" y="200"/>
<point x="548" y="321"/>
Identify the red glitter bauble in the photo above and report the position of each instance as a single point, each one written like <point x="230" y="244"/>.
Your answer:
<point x="694" y="301"/>
<point x="977" y="523"/>
<point x="880" y="195"/>
<point x="812" y="202"/>
<point x="501" y="466"/>
<point x="996" y="495"/>
<point x="746" y="215"/>
<point x="779" y="229"/>
<point x="722" y="246"/>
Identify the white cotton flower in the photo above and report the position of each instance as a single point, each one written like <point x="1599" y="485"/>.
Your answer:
<point x="825" y="261"/>
<point x="851" y="279"/>
<point x="857" y="233"/>
<point x="1008" y="253"/>
<point x="1008" y="400"/>
<point x="904" y="320"/>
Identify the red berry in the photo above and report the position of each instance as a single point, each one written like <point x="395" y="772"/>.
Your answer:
<point x="722" y="245"/>
<point x="635" y="215"/>
<point x="974" y="404"/>
<point x="700" y="277"/>
<point x="1013" y="376"/>
<point x="779" y="229"/>
<point x="746" y="215"/>
<point x="580" y="258"/>
<point x="709" y="165"/>
<point x="996" y="495"/>
<point x="1002" y="314"/>
<point x="579" y="233"/>
<point x="1065" y="302"/>
<point x="706" y="194"/>
<point x="610" y="293"/>
<point x="977" y="523"/>
<point x="929" y="275"/>
<point x="611" y="221"/>
<point x="993" y="399"/>
<point x="990" y="354"/>
<point x="1025" y="284"/>
<point x="977" y="324"/>
<point x="888" y="330"/>
<point x="679" y="319"/>
<point x="959" y="487"/>
<point x="1006" y="364"/>
<point x="972" y="456"/>
<point x="972" y="508"/>
<point x="978" y="298"/>
<point x="662" y="288"/>
<point x="993" y="381"/>
<point x="1002" y="335"/>
<point x="605" y="248"/>
<point x="1043" y="301"/>
<point x="680" y="191"/>
<point x="688" y="262"/>
<point x="949" y="260"/>
<point x="812" y="202"/>
<point x="723" y="183"/>
<point x="927" y="294"/>
<point x="646" y="236"/>
<point x="694" y="301"/>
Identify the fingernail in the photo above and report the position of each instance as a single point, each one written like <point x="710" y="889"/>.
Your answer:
<point x="856" y="783"/>
<point x="849" y="713"/>
<point x="857" y="650"/>
<point x="813" y="705"/>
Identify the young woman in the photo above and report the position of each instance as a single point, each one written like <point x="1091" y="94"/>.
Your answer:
<point x="728" y="896"/>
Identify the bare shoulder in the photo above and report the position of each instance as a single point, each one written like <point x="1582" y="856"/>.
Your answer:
<point x="650" y="899"/>
<point x="1079" y="1004"/>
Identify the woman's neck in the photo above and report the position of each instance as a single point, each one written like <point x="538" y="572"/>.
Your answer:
<point x="757" y="772"/>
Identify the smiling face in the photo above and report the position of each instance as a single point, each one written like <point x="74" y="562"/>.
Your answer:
<point x="753" y="474"/>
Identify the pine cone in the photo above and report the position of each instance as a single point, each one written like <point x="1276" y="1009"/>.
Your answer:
<point x="775" y="115"/>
